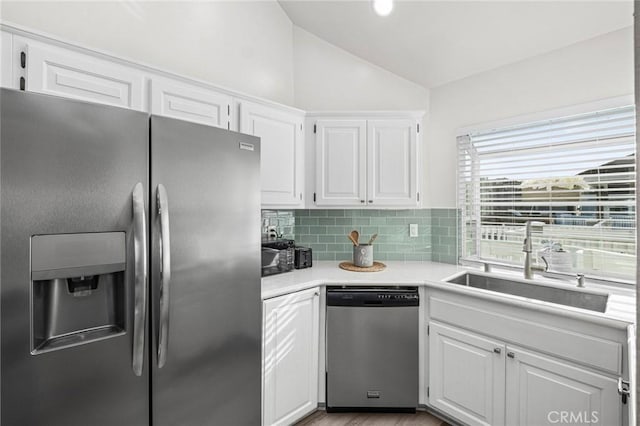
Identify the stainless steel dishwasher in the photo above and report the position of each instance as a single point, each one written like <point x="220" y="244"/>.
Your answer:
<point x="372" y="349"/>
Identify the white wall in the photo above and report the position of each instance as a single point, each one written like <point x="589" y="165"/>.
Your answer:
<point x="329" y="78"/>
<point x="249" y="46"/>
<point x="246" y="46"/>
<point x="587" y="71"/>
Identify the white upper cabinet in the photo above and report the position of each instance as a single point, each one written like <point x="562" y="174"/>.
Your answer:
<point x="61" y="72"/>
<point x="341" y="157"/>
<point x="281" y="153"/>
<point x="189" y="102"/>
<point x="366" y="162"/>
<point x="355" y="159"/>
<point x="392" y="160"/>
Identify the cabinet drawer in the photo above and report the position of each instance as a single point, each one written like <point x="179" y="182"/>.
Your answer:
<point x="591" y="351"/>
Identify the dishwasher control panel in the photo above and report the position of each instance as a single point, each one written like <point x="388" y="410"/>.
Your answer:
<point x="372" y="297"/>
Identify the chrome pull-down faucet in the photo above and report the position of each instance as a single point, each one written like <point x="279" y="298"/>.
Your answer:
<point x="527" y="247"/>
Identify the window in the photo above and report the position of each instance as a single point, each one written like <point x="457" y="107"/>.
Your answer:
<point x="574" y="175"/>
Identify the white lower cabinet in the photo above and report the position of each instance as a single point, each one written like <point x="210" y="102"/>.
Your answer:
<point x="542" y="390"/>
<point x="291" y="336"/>
<point x="481" y="381"/>
<point x="466" y="375"/>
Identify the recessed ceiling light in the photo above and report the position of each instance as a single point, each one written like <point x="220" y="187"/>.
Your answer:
<point x="383" y="7"/>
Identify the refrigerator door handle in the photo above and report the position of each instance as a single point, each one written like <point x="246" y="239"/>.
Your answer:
<point x="165" y="274"/>
<point x="140" y="260"/>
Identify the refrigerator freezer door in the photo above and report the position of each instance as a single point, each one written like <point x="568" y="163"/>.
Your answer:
<point x="69" y="167"/>
<point x="212" y="366"/>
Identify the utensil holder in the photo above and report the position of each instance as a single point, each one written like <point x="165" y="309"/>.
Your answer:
<point x="363" y="255"/>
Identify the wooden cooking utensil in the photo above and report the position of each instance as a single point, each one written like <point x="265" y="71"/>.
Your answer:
<point x="355" y="243"/>
<point x="356" y="237"/>
<point x="373" y="237"/>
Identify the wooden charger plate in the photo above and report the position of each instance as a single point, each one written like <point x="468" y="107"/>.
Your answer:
<point x="349" y="266"/>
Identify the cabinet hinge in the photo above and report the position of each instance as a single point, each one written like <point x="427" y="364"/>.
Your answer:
<point x="22" y="83"/>
<point x="428" y="390"/>
<point x="428" y="330"/>
<point x="418" y="128"/>
<point x="23" y="60"/>
<point x="314" y="128"/>
<point x="314" y="197"/>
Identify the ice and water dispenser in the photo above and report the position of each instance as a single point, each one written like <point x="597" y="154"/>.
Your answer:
<point x="77" y="289"/>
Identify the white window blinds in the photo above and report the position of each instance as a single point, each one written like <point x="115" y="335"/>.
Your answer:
<point x="576" y="175"/>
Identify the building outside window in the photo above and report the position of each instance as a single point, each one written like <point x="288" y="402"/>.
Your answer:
<point x="573" y="175"/>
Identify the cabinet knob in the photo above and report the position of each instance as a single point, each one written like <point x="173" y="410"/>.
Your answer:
<point x="362" y="201"/>
<point x="511" y="355"/>
<point x="370" y="201"/>
<point x="497" y="350"/>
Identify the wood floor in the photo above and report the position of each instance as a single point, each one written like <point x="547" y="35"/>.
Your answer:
<point x="322" y="418"/>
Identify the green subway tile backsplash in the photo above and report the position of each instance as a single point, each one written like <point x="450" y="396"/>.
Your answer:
<point x="444" y="235"/>
<point x="392" y="227"/>
<point x="325" y="231"/>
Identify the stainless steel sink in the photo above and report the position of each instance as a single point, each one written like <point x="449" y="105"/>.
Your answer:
<point x="533" y="290"/>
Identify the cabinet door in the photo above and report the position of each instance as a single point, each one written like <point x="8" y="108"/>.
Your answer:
<point x="290" y="357"/>
<point x="281" y="155"/>
<point x="66" y="73"/>
<point x="466" y="375"/>
<point x="544" y="391"/>
<point x="392" y="177"/>
<point x="189" y="102"/>
<point x="341" y="156"/>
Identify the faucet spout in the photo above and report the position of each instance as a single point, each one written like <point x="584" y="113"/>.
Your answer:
<point x="527" y="247"/>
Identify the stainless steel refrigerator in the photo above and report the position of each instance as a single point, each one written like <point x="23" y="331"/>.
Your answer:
<point x="130" y="268"/>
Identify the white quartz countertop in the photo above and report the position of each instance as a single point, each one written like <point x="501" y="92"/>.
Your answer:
<point x="328" y="273"/>
<point x="620" y="307"/>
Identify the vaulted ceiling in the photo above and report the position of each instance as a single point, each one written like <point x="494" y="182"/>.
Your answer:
<point x="435" y="42"/>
